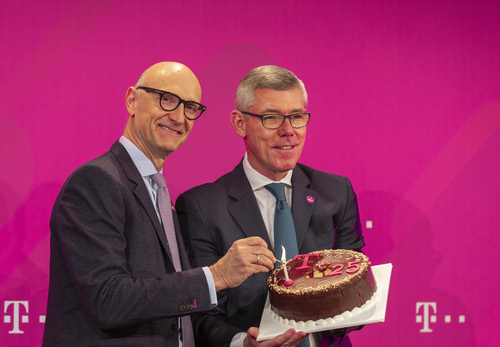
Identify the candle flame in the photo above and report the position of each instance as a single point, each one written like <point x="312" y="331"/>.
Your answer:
<point x="283" y="258"/>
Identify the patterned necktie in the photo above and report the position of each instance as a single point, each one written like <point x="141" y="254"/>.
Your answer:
<point x="284" y="230"/>
<point x="164" y="206"/>
<point x="165" y="209"/>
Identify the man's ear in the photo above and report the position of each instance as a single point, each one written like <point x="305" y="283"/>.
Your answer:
<point x="238" y="121"/>
<point x="130" y="100"/>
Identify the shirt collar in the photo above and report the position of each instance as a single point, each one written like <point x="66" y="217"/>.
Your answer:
<point x="258" y="180"/>
<point x="144" y="165"/>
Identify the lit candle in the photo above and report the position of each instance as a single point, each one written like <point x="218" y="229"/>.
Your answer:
<point x="288" y="281"/>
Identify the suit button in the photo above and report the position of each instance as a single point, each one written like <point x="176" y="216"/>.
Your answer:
<point x="183" y="308"/>
<point x="175" y="326"/>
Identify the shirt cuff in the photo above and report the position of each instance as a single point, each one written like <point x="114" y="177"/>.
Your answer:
<point x="211" y="286"/>
<point x="238" y="340"/>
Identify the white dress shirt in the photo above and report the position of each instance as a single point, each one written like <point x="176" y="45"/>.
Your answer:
<point x="265" y="199"/>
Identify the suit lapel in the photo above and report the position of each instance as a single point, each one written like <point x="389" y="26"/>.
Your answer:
<point x="140" y="191"/>
<point x="244" y="208"/>
<point x="303" y="203"/>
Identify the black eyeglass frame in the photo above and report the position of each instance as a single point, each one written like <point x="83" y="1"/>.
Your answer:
<point x="261" y="116"/>
<point x="203" y="108"/>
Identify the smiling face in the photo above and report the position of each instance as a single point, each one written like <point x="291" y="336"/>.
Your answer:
<point x="272" y="152"/>
<point x="154" y="131"/>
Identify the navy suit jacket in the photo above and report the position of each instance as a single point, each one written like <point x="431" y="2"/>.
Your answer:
<point x="213" y="216"/>
<point x="112" y="281"/>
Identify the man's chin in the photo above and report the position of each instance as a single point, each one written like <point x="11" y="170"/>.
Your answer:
<point x="286" y="166"/>
<point x="171" y="146"/>
<point x="283" y="169"/>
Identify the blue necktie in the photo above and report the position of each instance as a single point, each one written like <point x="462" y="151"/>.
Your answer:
<point x="165" y="209"/>
<point x="284" y="230"/>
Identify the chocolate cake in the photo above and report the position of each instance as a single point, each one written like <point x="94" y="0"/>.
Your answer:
<point x="321" y="285"/>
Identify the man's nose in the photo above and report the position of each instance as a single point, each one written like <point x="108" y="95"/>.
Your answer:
<point x="286" y="128"/>
<point x="177" y="115"/>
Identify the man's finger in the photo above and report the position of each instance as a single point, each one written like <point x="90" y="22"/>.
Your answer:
<point x="254" y="241"/>
<point x="285" y="337"/>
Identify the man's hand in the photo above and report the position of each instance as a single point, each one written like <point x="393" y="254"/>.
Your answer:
<point x="244" y="258"/>
<point x="288" y="338"/>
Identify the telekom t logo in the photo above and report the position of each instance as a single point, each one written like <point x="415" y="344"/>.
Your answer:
<point x="426" y="317"/>
<point x="429" y="315"/>
<point x="16" y="305"/>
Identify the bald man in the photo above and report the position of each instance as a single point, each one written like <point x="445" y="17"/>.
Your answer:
<point x="115" y="279"/>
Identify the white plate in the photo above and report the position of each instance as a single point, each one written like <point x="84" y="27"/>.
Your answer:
<point x="373" y="311"/>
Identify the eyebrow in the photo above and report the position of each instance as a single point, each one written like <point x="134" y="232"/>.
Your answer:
<point x="274" y="111"/>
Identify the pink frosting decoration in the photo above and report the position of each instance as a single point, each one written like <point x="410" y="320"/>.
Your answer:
<point x="306" y="258"/>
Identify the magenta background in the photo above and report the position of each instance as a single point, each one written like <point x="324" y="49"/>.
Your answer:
<point x="405" y="101"/>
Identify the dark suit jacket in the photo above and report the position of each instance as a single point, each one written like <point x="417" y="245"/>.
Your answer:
<point x="112" y="282"/>
<point x="213" y="216"/>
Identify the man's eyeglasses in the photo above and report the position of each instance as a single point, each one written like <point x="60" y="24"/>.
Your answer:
<point x="275" y="121"/>
<point x="170" y="102"/>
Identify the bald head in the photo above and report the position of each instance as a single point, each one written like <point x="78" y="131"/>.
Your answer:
<point x="167" y="71"/>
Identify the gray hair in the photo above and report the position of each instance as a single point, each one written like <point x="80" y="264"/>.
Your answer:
<point x="267" y="76"/>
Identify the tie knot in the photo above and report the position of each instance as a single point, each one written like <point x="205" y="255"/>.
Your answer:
<point x="159" y="180"/>
<point x="278" y="190"/>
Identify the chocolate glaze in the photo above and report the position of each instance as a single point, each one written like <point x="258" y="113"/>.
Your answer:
<point x="327" y="294"/>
